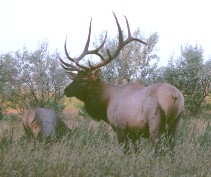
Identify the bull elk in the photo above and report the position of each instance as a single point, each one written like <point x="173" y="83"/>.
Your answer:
<point x="43" y="123"/>
<point x="132" y="110"/>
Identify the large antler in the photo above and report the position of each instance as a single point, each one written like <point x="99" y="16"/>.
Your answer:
<point x="105" y="61"/>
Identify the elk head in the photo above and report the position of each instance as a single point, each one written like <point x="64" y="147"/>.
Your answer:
<point x="86" y="77"/>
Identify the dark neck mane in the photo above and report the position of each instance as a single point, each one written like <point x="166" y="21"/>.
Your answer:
<point x="96" y="102"/>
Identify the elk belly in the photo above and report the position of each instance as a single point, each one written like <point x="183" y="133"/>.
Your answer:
<point x="127" y="116"/>
<point x="136" y="123"/>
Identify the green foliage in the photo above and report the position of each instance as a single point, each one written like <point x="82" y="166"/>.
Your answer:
<point x="10" y="117"/>
<point x="6" y="72"/>
<point x="208" y="106"/>
<point x="1" y="114"/>
<point x="205" y="139"/>
<point x="190" y="75"/>
<point x="32" y="79"/>
<point x="6" y="140"/>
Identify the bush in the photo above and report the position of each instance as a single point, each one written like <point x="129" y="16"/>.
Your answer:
<point x="190" y="75"/>
<point x="32" y="79"/>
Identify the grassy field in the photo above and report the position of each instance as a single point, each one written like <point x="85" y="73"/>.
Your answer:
<point x="92" y="150"/>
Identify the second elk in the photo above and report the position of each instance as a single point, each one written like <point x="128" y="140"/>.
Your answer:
<point x="43" y="123"/>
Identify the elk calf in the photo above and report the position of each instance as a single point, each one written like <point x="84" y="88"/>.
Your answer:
<point x="43" y="123"/>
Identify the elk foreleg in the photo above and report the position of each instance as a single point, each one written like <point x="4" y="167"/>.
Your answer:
<point x="123" y="140"/>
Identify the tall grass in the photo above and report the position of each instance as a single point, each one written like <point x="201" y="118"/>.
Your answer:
<point x="92" y="150"/>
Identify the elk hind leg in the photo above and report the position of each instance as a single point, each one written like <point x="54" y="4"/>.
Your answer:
<point x="123" y="140"/>
<point x="172" y="131"/>
<point x="154" y="130"/>
<point x="157" y="126"/>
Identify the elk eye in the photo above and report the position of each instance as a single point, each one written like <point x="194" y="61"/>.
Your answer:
<point x="84" y="81"/>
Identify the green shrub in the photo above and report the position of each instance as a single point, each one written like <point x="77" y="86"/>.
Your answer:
<point x="190" y="74"/>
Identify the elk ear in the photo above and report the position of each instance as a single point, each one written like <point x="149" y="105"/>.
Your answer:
<point x="70" y="75"/>
<point x="96" y="74"/>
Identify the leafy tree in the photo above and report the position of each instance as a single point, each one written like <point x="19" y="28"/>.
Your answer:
<point x="136" y="61"/>
<point x="191" y="75"/>
<point x="7" y="70"/>
<point x="32" y="79"/>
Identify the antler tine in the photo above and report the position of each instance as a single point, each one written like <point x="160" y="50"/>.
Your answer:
<point x="96" y="51"/>
<point x="65" y="49"/>
<point x="65" y="65"/>
<point x="130" y="38"/>
<point x="119" y="30"/>
<point x="68" y="66"/>
<point x="128" y="27"/>
<point x="123" y="42"/>
<point x="86" y="49"/>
